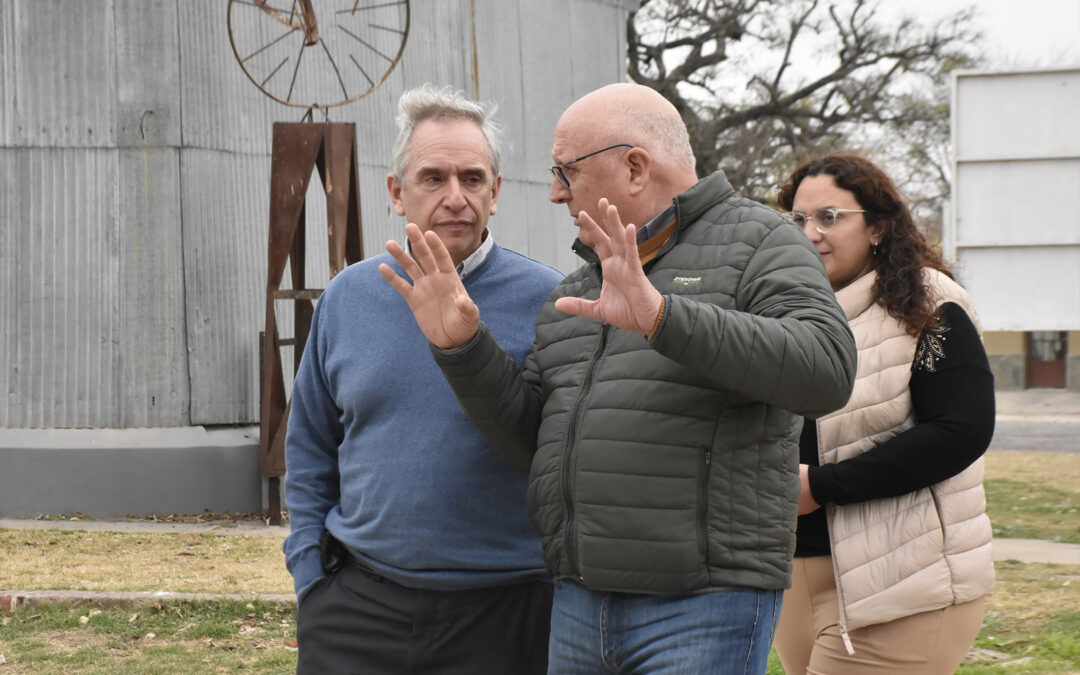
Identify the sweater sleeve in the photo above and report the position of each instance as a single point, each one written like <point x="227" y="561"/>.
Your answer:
<point x="952" y="391"/>
<point x="312" y="481"/>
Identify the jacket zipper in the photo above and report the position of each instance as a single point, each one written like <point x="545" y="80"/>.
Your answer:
<point x="842" y="622"/>
<point x="571" y="434"/>
<point x="829" y="508"/>
<point x="703" y="503"/>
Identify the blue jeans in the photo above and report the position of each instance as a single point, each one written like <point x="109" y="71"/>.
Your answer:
<point x="719" y="632"/>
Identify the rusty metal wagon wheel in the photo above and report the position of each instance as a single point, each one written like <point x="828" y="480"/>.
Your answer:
<point x="318" y="53"/>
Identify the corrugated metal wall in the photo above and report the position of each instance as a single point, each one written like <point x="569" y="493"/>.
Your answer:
<point x="134" y="188"/>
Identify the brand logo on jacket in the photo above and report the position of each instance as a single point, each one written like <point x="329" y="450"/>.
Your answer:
<point x="686" y="281"/>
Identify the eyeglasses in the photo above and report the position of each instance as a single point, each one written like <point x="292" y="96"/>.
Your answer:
<point x="557" y="170"/>
<point x="824" y="219"/>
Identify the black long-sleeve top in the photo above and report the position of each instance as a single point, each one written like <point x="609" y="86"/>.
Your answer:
<point x="952" y="392"/>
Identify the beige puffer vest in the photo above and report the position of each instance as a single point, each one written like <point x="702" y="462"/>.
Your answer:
<point x="921" y="551"/>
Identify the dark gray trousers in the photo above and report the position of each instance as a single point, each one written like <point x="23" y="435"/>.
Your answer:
<point x="355" y="621"/>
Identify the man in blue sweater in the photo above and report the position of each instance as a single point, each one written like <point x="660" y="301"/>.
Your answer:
<point x="410" y="549"/>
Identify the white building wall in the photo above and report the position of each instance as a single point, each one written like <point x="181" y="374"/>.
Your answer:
<point x="1015" y="227"/>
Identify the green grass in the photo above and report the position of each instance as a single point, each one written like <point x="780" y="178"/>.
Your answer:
<point x="183" y="637"/>
<point x="1032" y="624"/>
<point x="1025" y="510"/>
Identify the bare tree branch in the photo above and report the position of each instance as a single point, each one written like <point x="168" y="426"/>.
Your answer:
<point x="763" y="84"/>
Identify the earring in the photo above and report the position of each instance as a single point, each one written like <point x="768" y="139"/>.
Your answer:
<point x="873" y="248"/>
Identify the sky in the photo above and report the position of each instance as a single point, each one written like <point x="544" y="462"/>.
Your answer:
<point x="1018" y="34"/>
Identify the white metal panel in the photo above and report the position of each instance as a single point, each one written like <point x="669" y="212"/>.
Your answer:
<point x="148" y="68"/>
<point x="511" y="224"/>
<point x="1018" y="115"/>
<point x="547" y="88"/>
<point x="380" y="224"/>
<point x="545" y="230"/>
<point x="61" y="87"/>
<point x="499" y="47"/>
<point x="599" y="55"/>
<point x="498" y="32"/>
<point x="61" y="269"/>
<point x="8" y="73"/>
<point x="1018" y="203"/>
<point x="1024" y="289"/>
<point x="222" y="109"/>
<point x="14" y="307"/>
<point x="374" y="118"/>
<point x="226" y="211"/>
<point x="440" y="48"/>
<point x="153" y="359"/>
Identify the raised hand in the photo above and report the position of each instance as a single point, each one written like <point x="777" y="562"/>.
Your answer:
<point x="443" y="309"/>
<point x="627" y="299"/>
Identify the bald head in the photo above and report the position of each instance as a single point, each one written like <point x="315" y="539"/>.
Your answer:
<point x="634" y="114"/>
<point x="641" y="181"/>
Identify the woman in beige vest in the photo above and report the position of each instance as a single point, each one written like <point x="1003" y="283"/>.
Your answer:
<point x="893" y="557"/>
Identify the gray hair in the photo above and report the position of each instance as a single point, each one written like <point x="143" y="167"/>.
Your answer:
<point x="662" y="135"/>
<point x="426" y="103"/>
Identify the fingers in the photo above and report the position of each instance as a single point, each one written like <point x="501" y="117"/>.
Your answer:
<point x="394" y="279"/>
<point x="428" y="253"/>
<point x="443" y="261"/>
<point x="623" y="241"/>
<point x="404" y="259"/>
<point x="577" y="306"/>
<point x="591" y="234"/>
<point x="421" y="248"/>
<point x="610" y="231"/>
<point x="470" y="313"/>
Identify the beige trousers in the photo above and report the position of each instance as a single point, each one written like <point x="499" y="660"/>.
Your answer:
<point x="808" y="635"/>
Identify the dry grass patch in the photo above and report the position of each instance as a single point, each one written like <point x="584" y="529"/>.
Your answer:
<point x="115" y="561"/>
<point x="1056" y="470"/>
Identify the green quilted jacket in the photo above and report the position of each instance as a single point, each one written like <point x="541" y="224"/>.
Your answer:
<point x="671" y="466"/>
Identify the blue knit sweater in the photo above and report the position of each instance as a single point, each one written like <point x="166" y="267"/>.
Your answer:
<point x="379" y="452"/>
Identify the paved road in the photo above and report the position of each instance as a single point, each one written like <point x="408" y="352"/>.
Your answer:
<point x="1046" y="433"/>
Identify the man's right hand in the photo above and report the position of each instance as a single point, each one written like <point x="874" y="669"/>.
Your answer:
<point x="443" y="309"/>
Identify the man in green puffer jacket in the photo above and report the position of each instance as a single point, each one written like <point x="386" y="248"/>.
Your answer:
<point x="658" y="410"/>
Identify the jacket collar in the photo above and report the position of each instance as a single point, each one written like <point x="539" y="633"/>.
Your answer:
<point x="706" y="193"/>
<point x="689" y="206"/>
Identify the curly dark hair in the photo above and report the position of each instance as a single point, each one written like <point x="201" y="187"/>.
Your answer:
<point x="903" y="251"/>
